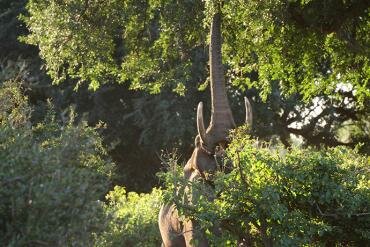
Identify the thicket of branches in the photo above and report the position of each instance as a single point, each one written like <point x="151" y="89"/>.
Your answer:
<point x="275" y="196"/>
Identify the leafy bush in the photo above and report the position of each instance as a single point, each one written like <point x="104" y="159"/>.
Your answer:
<point x="51" y="178"/>
<point x="133" y="219"/>
<point x="286" y="197"/>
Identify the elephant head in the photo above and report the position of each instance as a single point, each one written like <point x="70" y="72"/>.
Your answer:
<point x="202" y="158"/>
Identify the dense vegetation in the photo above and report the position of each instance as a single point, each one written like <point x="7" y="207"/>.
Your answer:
<point x="293" y="50"/>
<point x="53" y="183"/>
<point x="44" y="171"/>
<point x="54" y="177"/>
<point x="281" y="197"/>
<point x="131" y="51"/>
<point x="92" y="91"/>
<point x="133" y="219"/>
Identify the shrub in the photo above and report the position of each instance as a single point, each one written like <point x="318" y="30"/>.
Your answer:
<point x="133" y="219"/>
<point x="286" y="197"/>
<point x="51" y="178"/>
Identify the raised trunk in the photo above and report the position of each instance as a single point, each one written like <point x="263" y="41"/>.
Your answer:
<point x="221" y="119"/>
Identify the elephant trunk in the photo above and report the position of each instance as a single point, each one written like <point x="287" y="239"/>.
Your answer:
<point x="221" y="117"/>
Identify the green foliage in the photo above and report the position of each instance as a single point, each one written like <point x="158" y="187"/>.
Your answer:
<point x="133" y="219"/>
<point x="288" y="54"/>
<point x="163" y="45"/>
<point x="97" y="41"/>
<point x="285" y="197"/>
<point x="66" y="30"/>
<point x="309" y="47"/>
<point x="51" y="178"/>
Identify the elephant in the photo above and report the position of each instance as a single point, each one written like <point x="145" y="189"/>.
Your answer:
<point x="176" y="232"/>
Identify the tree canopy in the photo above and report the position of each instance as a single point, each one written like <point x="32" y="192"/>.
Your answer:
<point x="297" y="56"/>
<point x="310" y="47"/>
